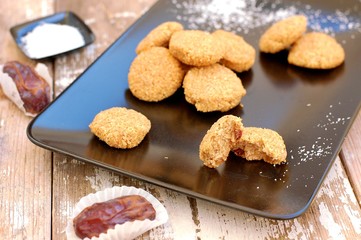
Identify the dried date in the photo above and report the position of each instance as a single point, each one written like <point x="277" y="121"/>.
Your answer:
<point x="100" y="217"/>
<point x="33" y="89"/>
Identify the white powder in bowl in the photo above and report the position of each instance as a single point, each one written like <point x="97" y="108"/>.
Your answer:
<point x="49" y="39"/>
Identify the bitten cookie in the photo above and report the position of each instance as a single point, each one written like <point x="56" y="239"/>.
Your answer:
<point x="196" y="48"/>
<point x="213" y="88"/>
<point x="155" y="75"/>
<point x="239" y="55"/>
<point x="159" y="36"/>
<point x="219" y="140"/>
<point x="316" y="50"/>
<point x="120" y="127"/>
<point x="283" y="34"/>
<point x="261" y="144"/>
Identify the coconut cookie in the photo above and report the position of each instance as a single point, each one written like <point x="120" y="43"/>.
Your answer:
<point x="155" y="75"/>
<point x="318" y="51"/>
<point x="213" y="88"/>
<point x="159" y="36"/>
<point x="219" y="140"/>
<point x="120" y="127"/>
<point x="261" y="144"/>
<point x="239" y="55"/>
<point x="196" y="48"/>
<point x="283" y="34"/>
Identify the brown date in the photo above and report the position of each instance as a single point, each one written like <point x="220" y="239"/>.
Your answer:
<point x="34" y="91"/>
<point x="100" y="217"/>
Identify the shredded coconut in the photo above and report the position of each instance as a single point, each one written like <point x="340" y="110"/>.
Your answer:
<point x="50" y="39"/>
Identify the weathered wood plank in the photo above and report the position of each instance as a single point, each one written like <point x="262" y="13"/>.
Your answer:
<point x="25" y="170"/>
<point x="335" y="213"/>
<point x="107" y="19"/>
<point x="351" y="156"/>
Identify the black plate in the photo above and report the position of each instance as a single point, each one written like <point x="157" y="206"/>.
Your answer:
<point x="65" y="18"/>
<point x="312" y="110"/>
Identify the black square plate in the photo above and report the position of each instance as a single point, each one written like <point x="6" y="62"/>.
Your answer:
<point x="64" y="18"/>
<point x="312" y="110"/>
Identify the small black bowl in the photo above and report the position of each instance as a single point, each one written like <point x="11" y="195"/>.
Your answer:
<point x="64" y="18"/>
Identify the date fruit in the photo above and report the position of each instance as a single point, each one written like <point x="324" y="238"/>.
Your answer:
<point x="100" y="217"/>
<point x="33" y="89"/>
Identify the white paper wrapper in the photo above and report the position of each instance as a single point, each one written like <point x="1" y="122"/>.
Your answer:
<point x="9" y="88"/>
<point x="127" y="230"/>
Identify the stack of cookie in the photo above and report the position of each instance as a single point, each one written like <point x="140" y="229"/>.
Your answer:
<point x="203" y="63"/>
<point x="313" y="50"/>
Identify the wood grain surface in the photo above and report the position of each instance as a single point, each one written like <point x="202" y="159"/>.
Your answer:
<point x="39" y="189"/>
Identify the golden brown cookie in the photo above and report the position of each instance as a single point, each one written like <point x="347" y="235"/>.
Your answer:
<point x="219" y="140"/>
<point x="239" y="55"/>
<point x="155" y="75"/>
<point x="261" y="144"/>
<point x="120" y="127"/>
<point x="159" y="36"/>
<point x="283" y="34"/>
<point x="213" y="88"/>
<point x="196" y="48"/>
<point x="318" y="51"/>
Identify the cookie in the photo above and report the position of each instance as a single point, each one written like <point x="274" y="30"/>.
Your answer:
<point x="261" y="144"/>
<point x="196" y="48"/>
<point x="159" y="36"/>
<point x="155" y="75"/>
<point x="213" y="88"/>
<point x="219" y="140"/>
<point x="283" y="34"/>
<point x="120" y="127"/>
<point x="239" y="55"/>
<point x="317" y="51"/>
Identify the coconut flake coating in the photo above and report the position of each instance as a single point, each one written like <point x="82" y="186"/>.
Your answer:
<point x="155" y="75"/>
<point x="159" y="36"/>
<point x="283" y="34"/>
<point x="239" y="55"/>
<point x="120" y="127"/>
<point x="317" y="51"/>
<point x="196" y="48"/>
<point x="213" y="88"/>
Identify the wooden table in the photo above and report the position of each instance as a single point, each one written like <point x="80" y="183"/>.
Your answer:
<point x="38" y="188"/>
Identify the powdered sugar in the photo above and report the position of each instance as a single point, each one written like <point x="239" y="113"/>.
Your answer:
<point x="243" y="16"/>
<point x="322" y="146"/>
<point x="238" y="16"/>
<point x="49" y="39"/>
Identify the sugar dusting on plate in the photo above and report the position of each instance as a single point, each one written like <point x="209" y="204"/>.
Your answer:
<point x="243" y="16"/>
<point x="321" y="146"/>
